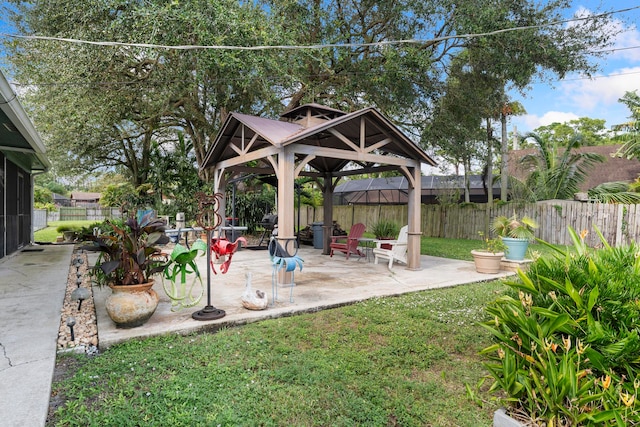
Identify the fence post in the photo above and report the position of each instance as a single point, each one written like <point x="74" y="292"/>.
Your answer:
<point x="619" y="225"/>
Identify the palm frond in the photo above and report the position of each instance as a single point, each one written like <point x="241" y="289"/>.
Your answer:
<point x="614" y="192"/>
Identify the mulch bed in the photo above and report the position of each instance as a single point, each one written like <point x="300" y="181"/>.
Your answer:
<point x="85" y="330"/>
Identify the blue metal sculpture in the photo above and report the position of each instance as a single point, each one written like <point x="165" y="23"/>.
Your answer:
<point x="284" y="260"/>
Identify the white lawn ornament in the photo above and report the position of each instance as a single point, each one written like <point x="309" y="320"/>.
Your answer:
<point x="254" y="299"/>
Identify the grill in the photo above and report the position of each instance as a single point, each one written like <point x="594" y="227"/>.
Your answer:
<point x="268" y="223"/>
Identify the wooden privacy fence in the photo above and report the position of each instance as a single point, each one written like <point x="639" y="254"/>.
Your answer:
<point x="81" y="213"/>
<point x="39" y="220"/>
<point x="620" y="224"/>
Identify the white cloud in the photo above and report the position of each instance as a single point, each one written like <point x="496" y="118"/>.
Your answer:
<point x="533" y="121"/>
<point x="604" y="90"/>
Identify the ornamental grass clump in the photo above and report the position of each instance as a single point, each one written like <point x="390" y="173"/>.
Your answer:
<point x="567" y="350"/>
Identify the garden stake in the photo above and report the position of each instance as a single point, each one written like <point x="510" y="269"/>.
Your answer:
<point x="209" y="219"/>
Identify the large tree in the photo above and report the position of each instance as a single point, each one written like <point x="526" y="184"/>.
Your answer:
<point x="103" y="106"/>
<point x="512" y="59"/>
<point x="630" y="131"/>
<point x="592" y="131"/>
<point x="456" y="125"/>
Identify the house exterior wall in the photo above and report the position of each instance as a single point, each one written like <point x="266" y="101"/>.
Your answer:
<point x="3" y="214"/>
<point x="15" y="207"/>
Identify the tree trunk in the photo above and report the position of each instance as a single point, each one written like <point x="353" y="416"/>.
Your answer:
<point x="467" y="168"/>
<point x="489" y="165"/>
<point x="504" y="155"/>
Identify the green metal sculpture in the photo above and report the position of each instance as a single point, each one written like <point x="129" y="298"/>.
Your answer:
<point x="182" y="269"/>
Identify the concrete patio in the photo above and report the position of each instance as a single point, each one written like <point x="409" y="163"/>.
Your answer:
<point x="324" y="283"/>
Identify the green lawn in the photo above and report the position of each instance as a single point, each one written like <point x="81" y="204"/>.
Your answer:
<point x="49" y="234"/>
<point x="461" y="248"/>
<point x="400" y="361"/>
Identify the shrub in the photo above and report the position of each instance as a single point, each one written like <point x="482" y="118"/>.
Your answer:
<point x="567" y="344"/>
<point x="67" y="227"/>
<point x="385" y="229"/>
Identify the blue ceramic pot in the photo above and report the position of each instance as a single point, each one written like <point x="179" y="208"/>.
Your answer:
<point x="516" y="248"/>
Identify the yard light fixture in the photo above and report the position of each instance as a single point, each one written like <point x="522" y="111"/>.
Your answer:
<point x="71" y="321"/>
<point x="80" y="295"/>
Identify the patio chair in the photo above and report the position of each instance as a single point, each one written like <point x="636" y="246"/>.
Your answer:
<point x="398" y="251"/>
<point x="350" y="244"/>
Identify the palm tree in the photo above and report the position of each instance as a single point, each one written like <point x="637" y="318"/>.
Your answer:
<point x="630" y="129"/>
<point x="557" y="172"/>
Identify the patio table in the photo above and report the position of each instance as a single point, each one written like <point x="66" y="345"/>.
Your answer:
<point x="367" y="244"/>
<point x="172" y="232"/>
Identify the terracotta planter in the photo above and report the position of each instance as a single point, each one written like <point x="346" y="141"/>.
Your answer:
<point x="487" y="262"/>
<point x="132" y="305"/>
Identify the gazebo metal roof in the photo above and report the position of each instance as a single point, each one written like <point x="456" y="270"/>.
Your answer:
<point x="245" y="133"/>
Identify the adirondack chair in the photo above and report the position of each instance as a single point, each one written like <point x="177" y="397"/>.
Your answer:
<point x="350" y="244"/>
<point x="398" y="251"/>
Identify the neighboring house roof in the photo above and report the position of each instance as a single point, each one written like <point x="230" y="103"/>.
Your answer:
<point x="613" y="168"/>
<point x="57" y="196"/>
<point x="85" y="197"/>
<point x="19" y="141"/>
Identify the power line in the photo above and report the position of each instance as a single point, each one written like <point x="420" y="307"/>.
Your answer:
<point x="269" y="78"/>
<point x="315" y="46"/>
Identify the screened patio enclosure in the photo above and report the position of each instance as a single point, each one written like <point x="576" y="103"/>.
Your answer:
<point x="325" y="144"/>
<point x="394" y="190"/>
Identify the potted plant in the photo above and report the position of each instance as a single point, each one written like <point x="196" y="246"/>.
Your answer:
<point x="69" y="232"/>
<point x="515" y="233"/>
<point x="128" y="260"/>
<point x="385" y="230"/>
<point x="487" y="259"/>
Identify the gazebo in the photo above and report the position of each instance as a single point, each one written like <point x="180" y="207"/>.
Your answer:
<point x="323" y="143"/>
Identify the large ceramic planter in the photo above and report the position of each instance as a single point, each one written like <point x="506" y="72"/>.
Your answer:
<point x="516" y="248"/>
<point x="487" y="262"/>
<point x="132" y="305"/>
<point x="502" y="419"/>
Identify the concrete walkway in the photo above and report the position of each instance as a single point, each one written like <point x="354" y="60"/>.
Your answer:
<point x="32" y="288"/>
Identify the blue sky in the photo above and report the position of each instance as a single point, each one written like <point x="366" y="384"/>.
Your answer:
<point x="577" y="96"/>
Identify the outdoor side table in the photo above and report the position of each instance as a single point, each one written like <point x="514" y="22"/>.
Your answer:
<point x="367" y="244"/>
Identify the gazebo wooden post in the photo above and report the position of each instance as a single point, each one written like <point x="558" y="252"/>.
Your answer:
<point x="327" y="228"/>
<point x="219" y="186"/>
<point x="414" y="207"/>
<point x="286" y="194"/>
